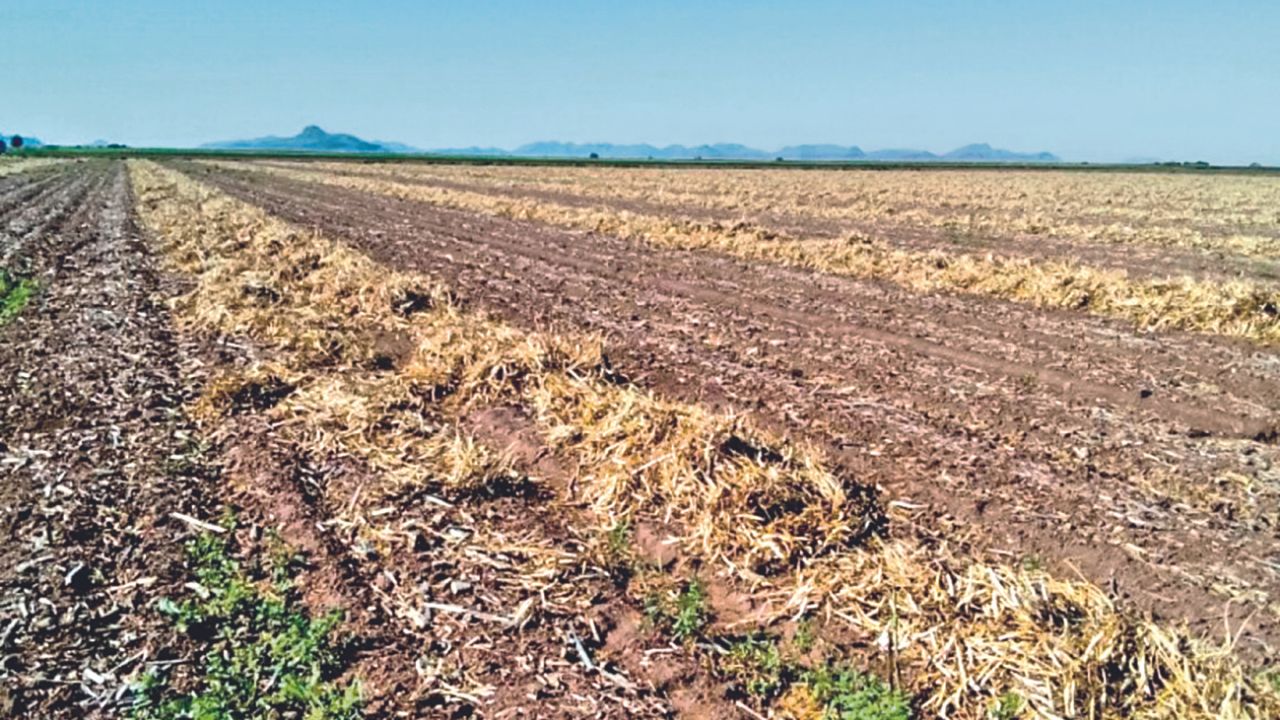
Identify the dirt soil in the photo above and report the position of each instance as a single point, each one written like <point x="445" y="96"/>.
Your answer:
<point x="1140" y="261"/>
<point x="1144" y="462"/>
<point x="94" y="451"/>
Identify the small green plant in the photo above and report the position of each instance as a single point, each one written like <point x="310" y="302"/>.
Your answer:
<point x="804" y="638"/>
<point x="618" y="539"/>
<point x="1006" y="707"/>
<point x="655" y="610"/>
<point x="615" y="554"/>
<point x="847" y="694"/>
<point x="1033" y="563"/>
<point x="265" y="657"/>
<point x="755" y="665"/>
<point x="284" y="562"/>
<point x="1271" y="678"/>
<point x="684" y="614"/>
<point x="188" y="460"/>
<point x="691" y="612"/>
<point x="15" y="293"/>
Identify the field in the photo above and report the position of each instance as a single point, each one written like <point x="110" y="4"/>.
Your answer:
<point x="337" y="439"/>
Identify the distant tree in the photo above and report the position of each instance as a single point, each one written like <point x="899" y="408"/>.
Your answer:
<point x="3" y="147"/>
<point x="778" y="159"/>
<point x="1255" y="165"/>
<point x="594" y="156"/>
<point x="16" y="142"/>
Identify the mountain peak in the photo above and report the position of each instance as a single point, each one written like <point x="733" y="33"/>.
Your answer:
<point x="313" y="138"/>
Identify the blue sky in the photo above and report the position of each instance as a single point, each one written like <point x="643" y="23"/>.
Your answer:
<point x="1087" y="80"/>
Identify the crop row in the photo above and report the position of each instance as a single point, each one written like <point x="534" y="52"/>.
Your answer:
<point x="770" y="516"/>
<point x="1218" y="213"/>
<point x="1236" y="308"/>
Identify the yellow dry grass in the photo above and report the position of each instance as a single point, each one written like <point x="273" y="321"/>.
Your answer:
<point x="1231" y="213"/>
<point x="11" y="165"/>
<point x="742" y="496"/>
<point x="771" y="513"/>
<point x="1236" y="308"/>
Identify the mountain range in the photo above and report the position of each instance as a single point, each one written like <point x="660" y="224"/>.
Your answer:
<point x="314" y="139"/>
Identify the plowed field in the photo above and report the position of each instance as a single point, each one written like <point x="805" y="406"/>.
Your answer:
<point x="566" y="442"/>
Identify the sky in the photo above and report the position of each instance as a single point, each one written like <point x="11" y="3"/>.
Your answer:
<point x="1095" y="81"/>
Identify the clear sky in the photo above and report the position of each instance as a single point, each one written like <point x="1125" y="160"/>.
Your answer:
<point x="1087" y="80"/>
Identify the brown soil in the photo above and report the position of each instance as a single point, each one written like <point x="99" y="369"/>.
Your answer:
<point x="530" y="670"/>
<point x="271" y="485"/>
<point x="100" y="461"/>
<point x="96" y="456"/>
<point x="1051" y="437"/>
<point x="1140" y="261"/>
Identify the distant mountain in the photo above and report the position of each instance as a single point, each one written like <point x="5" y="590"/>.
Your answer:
<point x="901" y="155"/>
<point x="821" y="152"/>
<point x="473" y="151"/>
<point x="314" y="139"/>
<point x="719" y="151"/>
<point x="982" y="152"/>
<point x="722" y="151"/>
<point x="396" y="147"/>
<point x="311" y="139"/>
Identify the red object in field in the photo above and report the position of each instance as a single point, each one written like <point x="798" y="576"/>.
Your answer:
<point x="16" y="141"/>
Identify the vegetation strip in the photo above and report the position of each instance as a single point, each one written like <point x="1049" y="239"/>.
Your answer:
<point x="264" y="656"/>
<point x="961" y="635"/>
<point x="1234" y="308"/>
<point x="15" y="293"/>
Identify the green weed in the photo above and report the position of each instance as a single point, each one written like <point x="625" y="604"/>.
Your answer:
<point x="684" y="614"/>
<point x="805" y="637"/>
<point x="615" y="552"/>
<point x="1271" y="678"/>
<point x="15" y="293"/>
<point x="1033" y="563"/>
<point x="846" y="694"/>
<point x="755" y="664"/>
<point x="691" y="612"/>
<point x="264" y="656"/>
<point x="1006" y="707"/>
<point x="618" y="541"/>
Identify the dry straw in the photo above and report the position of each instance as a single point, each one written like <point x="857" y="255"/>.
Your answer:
<point x="11" y="165"/>
<point x="1214" y="213"/>
<point x="1236" y="308"/>
<point x="771" y="513"/>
